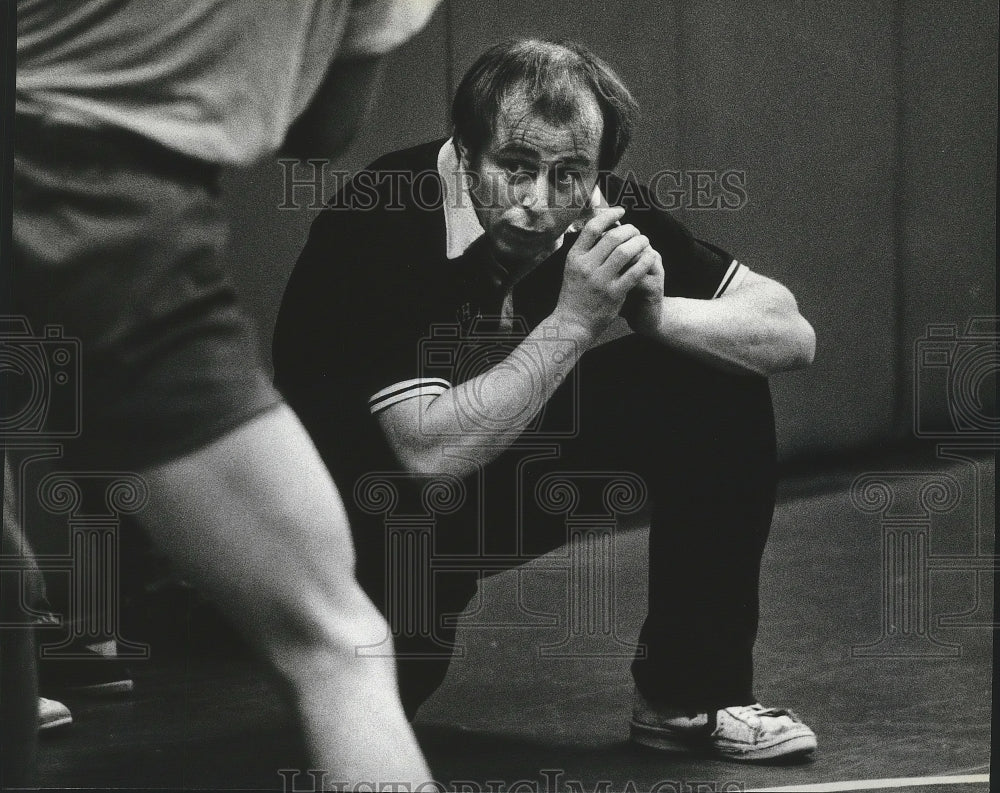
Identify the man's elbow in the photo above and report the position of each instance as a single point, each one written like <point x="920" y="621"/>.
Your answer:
<point x="798" y="346"/>
<point x="807" y="344"/>
<point x="793" y="345"/>
<point x="430" y="461"/>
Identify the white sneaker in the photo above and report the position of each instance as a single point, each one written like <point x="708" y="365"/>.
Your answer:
<point x="52" y="714"/>
<point x="744" y="732"/>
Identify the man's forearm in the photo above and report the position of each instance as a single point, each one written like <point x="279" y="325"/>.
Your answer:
<point x="756" y="330"/>
<point x="473" y="422"/>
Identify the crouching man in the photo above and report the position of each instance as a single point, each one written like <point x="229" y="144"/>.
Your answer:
<point x="579" y="315"/>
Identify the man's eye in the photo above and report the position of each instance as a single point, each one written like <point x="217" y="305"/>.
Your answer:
<point x="516" y="168"/>
<point x="568" y="177"/>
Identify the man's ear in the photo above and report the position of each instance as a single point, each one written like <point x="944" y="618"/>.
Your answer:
<point x="464" y="155"/>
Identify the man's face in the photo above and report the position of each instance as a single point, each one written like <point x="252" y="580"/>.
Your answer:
<point x="532" y="180"/>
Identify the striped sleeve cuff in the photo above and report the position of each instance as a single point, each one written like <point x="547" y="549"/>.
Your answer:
<point x="736" y="273"/>
<point x="407" y="389"/>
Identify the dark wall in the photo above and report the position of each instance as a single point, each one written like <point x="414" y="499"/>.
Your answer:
<point x="946" y="209"/>
<point x="267" y="235"/>
<point x="866" y="132"/>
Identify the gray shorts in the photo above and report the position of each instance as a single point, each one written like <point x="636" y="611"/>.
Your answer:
<point x="123" y="300"/>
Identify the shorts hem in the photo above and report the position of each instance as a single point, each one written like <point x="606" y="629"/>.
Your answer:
<point x="212" y="433"/>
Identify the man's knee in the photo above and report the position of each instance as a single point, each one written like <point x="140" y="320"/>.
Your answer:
<point x="310" y="629"/>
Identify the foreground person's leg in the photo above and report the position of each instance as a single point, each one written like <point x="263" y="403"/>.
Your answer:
<point x="255" y="521"/>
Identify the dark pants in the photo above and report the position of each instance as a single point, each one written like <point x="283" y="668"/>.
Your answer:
<point x="702" y="442"/>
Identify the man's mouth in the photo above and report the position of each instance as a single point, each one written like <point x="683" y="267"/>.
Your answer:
<point x="526" y="234"/>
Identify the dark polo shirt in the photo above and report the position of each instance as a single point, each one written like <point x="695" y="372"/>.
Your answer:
<point x="376" y="312"/>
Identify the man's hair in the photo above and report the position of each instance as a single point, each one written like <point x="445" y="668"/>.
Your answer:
<point x="551" y="75"/>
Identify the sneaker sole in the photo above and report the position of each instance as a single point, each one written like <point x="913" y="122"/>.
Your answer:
<point x="52" y="724"/>
<point x="100" y="689"/>
<point x="668" y="741"/>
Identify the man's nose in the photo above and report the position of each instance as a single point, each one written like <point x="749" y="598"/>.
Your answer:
<point x="532" y="192"/>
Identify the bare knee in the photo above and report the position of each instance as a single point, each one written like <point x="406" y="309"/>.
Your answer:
<point x="316" y="631"/>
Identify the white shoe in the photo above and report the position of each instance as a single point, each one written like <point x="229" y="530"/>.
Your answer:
<point x="52" y="714"/>
<point x="743" y="732"/>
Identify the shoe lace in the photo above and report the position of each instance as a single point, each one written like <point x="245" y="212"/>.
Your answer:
<point x="760" y="710"/>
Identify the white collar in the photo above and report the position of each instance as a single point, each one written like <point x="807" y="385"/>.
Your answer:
<point x="462" y="226"/>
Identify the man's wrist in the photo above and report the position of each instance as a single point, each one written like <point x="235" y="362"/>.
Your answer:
<point x="645" y="318"/>
<point x="571" y="327"/>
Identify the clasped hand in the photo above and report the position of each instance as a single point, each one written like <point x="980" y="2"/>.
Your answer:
<point x="611" y="270"/>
